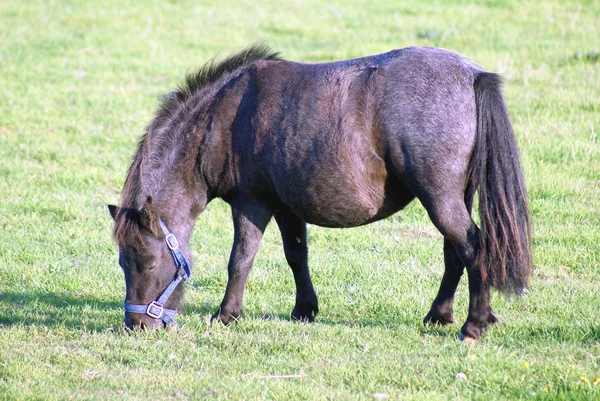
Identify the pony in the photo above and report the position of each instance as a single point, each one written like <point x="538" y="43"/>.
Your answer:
<point x="337" y="144"/>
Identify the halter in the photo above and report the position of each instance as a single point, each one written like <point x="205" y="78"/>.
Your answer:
<point x="156" y="309"/>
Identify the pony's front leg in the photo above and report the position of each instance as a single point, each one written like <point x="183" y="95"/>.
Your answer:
<point x="293" y="234"/>
<point x="249" y="220"/>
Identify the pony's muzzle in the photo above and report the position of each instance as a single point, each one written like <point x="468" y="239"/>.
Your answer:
<point x="139" y="321"/>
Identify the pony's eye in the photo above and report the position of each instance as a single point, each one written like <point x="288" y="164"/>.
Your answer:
<point x="146" y="263"/>
<point x="151" y="265"/>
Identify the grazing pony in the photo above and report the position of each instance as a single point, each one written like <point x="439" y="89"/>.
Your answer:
<point x="337" y="144"/>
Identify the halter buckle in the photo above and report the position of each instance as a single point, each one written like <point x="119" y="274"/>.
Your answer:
<point x="154" y="310"/>
<point x="172" y="242"/>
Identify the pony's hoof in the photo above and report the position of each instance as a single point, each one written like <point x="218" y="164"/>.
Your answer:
<point x="438" y="319"/>
<point x="471" y="332"/>
<point x="467" y="339"/>
<point x="303" y="317"/>
<point x="225" y="318"/>
<point x="492" y="319"/>
<point x="306" y="311"/>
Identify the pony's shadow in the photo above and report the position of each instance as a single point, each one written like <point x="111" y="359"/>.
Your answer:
<point x="388" y="324"/>
<point x="59" y="311"/>
<point x="588" y="334"/>
<point x="90" y="314"/>
<point x="54" y="310"/>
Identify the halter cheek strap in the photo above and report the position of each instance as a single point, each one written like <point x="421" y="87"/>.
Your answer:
<point x="156" y="309"/>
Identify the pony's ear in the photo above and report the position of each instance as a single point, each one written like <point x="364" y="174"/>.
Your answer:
<point x="149" y="219"/>
<point x="113" y="210"/>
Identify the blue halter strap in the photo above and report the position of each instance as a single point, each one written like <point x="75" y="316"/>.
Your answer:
<point x="156" y="309"/>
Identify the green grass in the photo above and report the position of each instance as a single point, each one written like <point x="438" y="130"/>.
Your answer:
<point x="79" y="82"/>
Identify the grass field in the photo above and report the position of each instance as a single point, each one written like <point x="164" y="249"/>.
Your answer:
<point x="78" y="84"/>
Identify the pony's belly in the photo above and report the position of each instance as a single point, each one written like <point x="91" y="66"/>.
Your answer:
<point x="342" y="212"/>
<point x="348" y="217"/>
<point x="340" y="207"/>
<point x="337" y="216"/>
<point x="335" y="186"/>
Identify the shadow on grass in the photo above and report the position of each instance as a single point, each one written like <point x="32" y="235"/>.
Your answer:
<point x="582" y="334"/>
<point x="387" y="324"/>
<point x="66" y="311"/>
<point x="96" y="315"/>
<point x="59" y="311"/>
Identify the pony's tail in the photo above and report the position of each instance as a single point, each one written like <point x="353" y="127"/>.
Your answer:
<point x="505" y="235"/>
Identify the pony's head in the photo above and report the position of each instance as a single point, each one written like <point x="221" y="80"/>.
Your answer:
<point x="146" y="255"/>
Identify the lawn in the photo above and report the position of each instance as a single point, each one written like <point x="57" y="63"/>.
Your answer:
<point x="79" y="82"/>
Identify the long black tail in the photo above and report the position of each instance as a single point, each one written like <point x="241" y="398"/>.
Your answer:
<point x="495" y="171"/>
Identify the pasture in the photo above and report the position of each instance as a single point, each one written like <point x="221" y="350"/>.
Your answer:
<point x="79" y="82"/>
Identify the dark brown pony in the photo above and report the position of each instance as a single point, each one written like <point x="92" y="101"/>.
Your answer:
<point x="337" y="144"/>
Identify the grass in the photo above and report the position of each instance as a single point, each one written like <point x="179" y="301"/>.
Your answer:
<point x="80" y="81"/>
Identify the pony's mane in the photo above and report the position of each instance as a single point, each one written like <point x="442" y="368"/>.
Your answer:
<point x="210" y="73"/>
<point x="127" y="219"/>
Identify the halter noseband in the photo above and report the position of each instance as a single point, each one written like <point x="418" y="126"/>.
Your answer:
<point x="156" y="309"/>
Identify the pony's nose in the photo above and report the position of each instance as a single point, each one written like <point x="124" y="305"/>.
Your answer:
<point x="138" y="321"/>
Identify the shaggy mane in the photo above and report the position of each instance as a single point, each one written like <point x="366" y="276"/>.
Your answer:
<point x="212" y="72"/>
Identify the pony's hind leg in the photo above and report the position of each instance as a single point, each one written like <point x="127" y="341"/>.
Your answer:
<point x="441" y="312"/>
<point x="249" y="221"/>
<point x="449" y="214"/>
<point x="293" y="234"/>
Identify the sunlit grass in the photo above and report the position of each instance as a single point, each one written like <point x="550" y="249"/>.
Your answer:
<point x="79" y="82"/>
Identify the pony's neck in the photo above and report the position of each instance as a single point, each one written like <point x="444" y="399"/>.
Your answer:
<point x="178" y="215"/>
<point x="185" y="158"/>
<point x="168" y="179"/>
